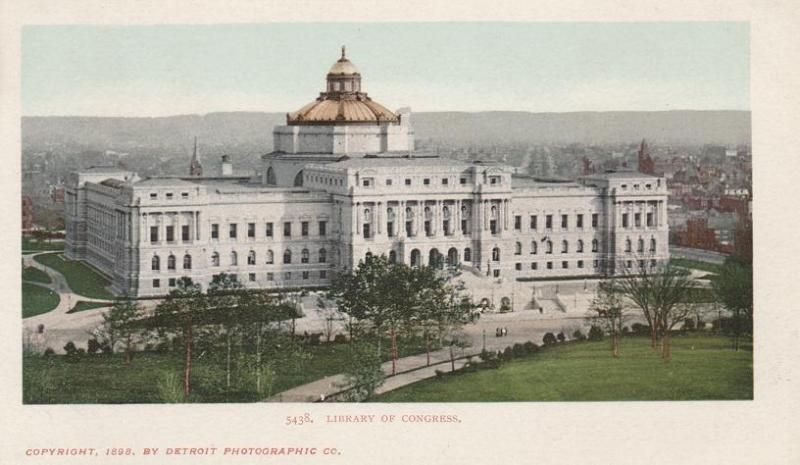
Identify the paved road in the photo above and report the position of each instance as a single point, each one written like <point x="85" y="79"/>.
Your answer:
<point x="697" y="254"/>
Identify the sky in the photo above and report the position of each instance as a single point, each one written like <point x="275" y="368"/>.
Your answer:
<point x="539" y="67"/>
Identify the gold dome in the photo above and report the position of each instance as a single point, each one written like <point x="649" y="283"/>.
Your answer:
<point x="343" y="102"/>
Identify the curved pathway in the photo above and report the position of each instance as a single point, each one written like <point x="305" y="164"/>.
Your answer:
<point x="60" y="326"/>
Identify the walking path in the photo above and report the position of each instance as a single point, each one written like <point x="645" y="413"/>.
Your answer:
<point x="60" y="327"/>
<point x="522" y="327"/>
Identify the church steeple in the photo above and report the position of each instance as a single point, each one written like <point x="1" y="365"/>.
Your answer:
<point x="195" y="168"/>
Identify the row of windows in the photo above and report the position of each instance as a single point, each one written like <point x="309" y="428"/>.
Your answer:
<point x="370" y="182"/>
<point x="637" y="220"/>
<point x="170" y="233"/>
<point x="252" y="258"/>
<point x="548" y="221"/>
<point x="253" y="277"/>
<point x="269" y="229"/>
<point x="155" y="262"/>
<point x="580" y="264"/>
<point x="168" y="195"/>
<point x="548" y="246"/>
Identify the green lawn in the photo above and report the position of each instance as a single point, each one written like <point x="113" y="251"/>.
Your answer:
<point x="106" y="379"/>
<point x="31" y="244"/>
<point x="30" y="273"/>
<point x="695" y="264"/>
<point x="702" y="368"/>
<point x="37" y="300"/>
<point x="81" y="278"/>
<point x="83" y="305"/>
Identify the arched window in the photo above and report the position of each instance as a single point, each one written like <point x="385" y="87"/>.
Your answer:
<point x="304" y="256"/>
<point x="640" y="245"/>
<point x="468" y="255"/>
<point x="653" y="244"/>
<point x="579" y="246"/>
<point x="392" y="256"/>
<point x="548" y="246"/>
<point x="287" y="256"/>
<point x="534" y="247"/>
<point x="298" y="180"/>
<point x="627" y="245"/>
<point x="187" y="262"/>
<point x="518" y="248"/>
<point x="595" y="245"/>
<point x="251" y="257"/>
<point x="234" y="258"/>
<point x="155" y="263"/>
<point x="427" y="213"/>
<point x="270" y="257"/>
<point x="215" y="259"/>
<point x="171" y="262"/>
<point x="446" y="212"/>
<point x="271" y="176"/>
<point x="494" y="212"/>
<point x="323" y="255"/>
<point x="496" y="254"/>
<point x="564" y="246"/>
<point x="415" y="257"/>
<point x="434" y="258"/>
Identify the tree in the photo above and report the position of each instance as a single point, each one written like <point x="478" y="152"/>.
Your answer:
<point x="329" y="316"/>
<point x="224" y="297"/>
<point x="664" y="295"/>
<point x="184" y="309"/>
<point x="363" y="372"/>
<point x="118" y="325"/>
<point x="608" y="310"/>
<point x="733" y="286"/>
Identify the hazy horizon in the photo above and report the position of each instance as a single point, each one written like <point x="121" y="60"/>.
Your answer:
<point x="167" y="70"/>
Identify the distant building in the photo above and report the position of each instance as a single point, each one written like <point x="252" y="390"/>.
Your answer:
<point x="27" y="213"/>
<point x="57" y="194"/>
<point x="646" y="163"/>
<point x="195" y="168"/>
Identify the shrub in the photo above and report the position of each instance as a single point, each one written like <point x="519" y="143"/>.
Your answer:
<point x="315" y="338"/>
<point x="561" y="337"/>
<point x="508" y="353"/>
<point x="595" y="333"/>
<point x="518" y="350"/>
<point x="549" y="339"/>
<point x="578" y="335"/>
<point x="70" y="348"/>
<point x="530" y="347"/>
<point x="170" y="389"/>
<point x="688" y="324"/>
<point x="701" y="324"/>
<point x="625" y="330"/>
<point x="640" y="329"/>
<point x="340" y="339"/>
<point x="439" y="373"/>
<point x="93" y="346"/>
<point x="49" y="351"/>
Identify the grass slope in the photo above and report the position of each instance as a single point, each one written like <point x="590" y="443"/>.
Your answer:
<point x="703" y="367"/>
<point x="30" y="273"/>
<point x="37" y="300"/>
<point x="81" y="278"/>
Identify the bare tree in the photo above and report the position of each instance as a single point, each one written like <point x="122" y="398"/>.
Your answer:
<point x="608" y="309"/>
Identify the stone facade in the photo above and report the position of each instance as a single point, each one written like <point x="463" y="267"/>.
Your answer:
<point x="320" y="210"/>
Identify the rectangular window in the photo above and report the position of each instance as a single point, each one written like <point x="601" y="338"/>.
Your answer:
<point x="214" y="231"/>
<point x="287" y="229"/>
<point x="232" y="230"/>
<point x="156" y="283"/>
<point x="564" y="221"/>
<point x="463" y="226"/>
<point x="169" y="195"/>
<point x="624" y="220"/>
<point x="251" y="277"/>
<point x="269" y="230"/>
<point x="323" y="228"/>
<point x="428" y="231"/>
<point x="493" y="226"/>
<point x="367" y="182"/>
<point x="184" y="195"/>
<point x="426" y="181"/>
<point x="462" y="181"/>
<point x="534" y="222"/>
<point x="518" y="222"/>
<point x="549" y="265"/>
<point x="185" y="233"/>
<point x="390" y="229"/>
<point x="596" y="263"/>
<point x="580" y="263"/>
<point x="287" y="276"/>
<point x="565" y="265"/>
<point x="323" y="274"/>
<point x="170" y="233"/>
<point x="444" y="181"/>
<point x="650" y="220"/>
<point x="496" y="273"/>
<point x="534" y="265"/>
<point x="270" y="276"/>
<point x="305" y="275"/>
<point x="367" y="231"/>
<point x="548" y="222"/>
<point x="408" y="181"/>
<point x="637" y="219"/>
<point x="579" y="221"/>
<point x="446" y="227"/>
<point x="153" y="196"/>
<point x="518" y="266"/>
<point x="494" y="180"/>
<point x="594" y="220"/>
<point x="172" y="282"/>
<point x="388" y="182"/>
<point x="251" y="230"/>
<point x="304" y="228"/>
<point x="153" y="233"/>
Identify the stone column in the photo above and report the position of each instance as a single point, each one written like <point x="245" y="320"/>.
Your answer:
<point x="400" y="219"/>
<point x="437" y="218"/>
<point x="358" y="218"/>
<point x="379" y="218"/>
<point x="486" y="213"/>
<point x="506" y="215"/>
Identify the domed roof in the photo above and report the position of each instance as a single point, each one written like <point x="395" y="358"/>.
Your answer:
<point x="343" y="102"/>
<point x="343" y="66"/>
